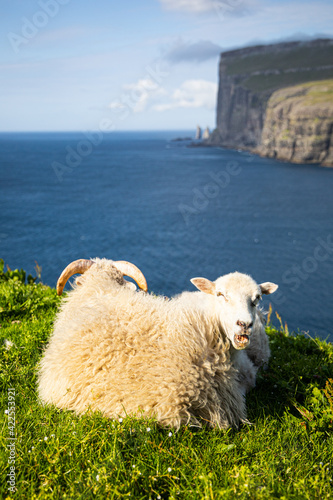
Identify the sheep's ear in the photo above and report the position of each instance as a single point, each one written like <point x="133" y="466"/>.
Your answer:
<point x="268" y="288"/>
<point x="204" y="285"/>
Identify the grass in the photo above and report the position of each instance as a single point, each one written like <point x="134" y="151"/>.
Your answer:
<point x="308" y="94"/>
<point x="319" y="92"/>
<point x="286" y="453"/>
<point x="262" y="83"/>
<point x="310" y="64"/>
<point x="298" y="57"/>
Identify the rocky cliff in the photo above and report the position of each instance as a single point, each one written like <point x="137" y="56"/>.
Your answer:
<point x="298" y="124"/>
<point x="249" y="77"/>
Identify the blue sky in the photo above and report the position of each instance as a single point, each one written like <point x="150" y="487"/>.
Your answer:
<point x="131" y="65"/>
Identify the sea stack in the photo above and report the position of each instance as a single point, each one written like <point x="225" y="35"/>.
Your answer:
<point x="206" y="133"/>
<point x="198" y="134"/>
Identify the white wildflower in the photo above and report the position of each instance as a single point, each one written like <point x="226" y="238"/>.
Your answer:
<point x="6" y="412"/>
<point x="169" y="469"/>
<point x="8" y="344"/>
<point x="148" y="429"/>
<point x="120" y="420"/>
<point x="97" y="477"/>
<point x="46" y="438"/>
<point x="170" y="434"/>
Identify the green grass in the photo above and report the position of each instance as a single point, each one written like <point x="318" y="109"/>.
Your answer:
<point x="310" y="93"/>
<point x="262" y="83"/>
<point x="286" y="453"/>
<point x="319" y="92"/>
<point x="299" y="57"/>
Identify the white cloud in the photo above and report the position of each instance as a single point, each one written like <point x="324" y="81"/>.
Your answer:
<point x="220" y="7"/>
<point x="266" y="22"/>
<point x="192" y="94"/>
<point x="189" y="5"/>
<point x="137" y="95"/>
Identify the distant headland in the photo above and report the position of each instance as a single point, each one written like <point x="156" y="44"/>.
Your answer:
<point x="277" y="101"/>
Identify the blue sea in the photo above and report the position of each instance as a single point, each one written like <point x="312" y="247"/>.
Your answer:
<point x="175" y="211"/>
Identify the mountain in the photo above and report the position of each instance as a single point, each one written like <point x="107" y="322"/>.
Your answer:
<point x="250" y="80"/>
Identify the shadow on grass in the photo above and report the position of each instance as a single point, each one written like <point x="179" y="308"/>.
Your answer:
<point x="298" y="365"/>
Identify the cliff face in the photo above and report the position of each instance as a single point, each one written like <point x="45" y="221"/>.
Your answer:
<point x="299" y="124"/>
<point x="247" y="79"/>
<point x="240" y="115"/>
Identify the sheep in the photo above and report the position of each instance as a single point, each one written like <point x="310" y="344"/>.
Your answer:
<point x="180" y="360"/>
<point x="238" y="298"/>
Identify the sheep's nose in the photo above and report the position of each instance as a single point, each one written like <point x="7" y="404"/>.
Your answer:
<point x="243" y="325"/>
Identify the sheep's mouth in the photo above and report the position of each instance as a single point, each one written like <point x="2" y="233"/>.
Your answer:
<point x="241" y="341"/>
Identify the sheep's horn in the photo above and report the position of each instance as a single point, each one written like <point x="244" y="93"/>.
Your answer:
<point x="130" y="270"/>
<point x="77" y="266"/>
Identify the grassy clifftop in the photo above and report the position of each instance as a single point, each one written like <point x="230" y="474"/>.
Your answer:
<point x="269" y="67"/>
<point x="273" y="66"/>
<point x="299" y="124"/>
<point x="295" y="55"/>
<point x="286" y="453"/>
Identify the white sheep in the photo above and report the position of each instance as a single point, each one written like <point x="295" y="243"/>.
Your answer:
<point x="180" y="360"/>
<point x="232" y="301"/>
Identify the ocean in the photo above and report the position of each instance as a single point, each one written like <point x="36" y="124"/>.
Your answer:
<point x="175" y="211"/>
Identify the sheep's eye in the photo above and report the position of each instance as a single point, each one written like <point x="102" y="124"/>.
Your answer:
<point x="255" y="302"/>
<point x="220" y="294"/>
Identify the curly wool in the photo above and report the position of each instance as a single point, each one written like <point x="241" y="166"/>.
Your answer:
<point x="123" y="352"/>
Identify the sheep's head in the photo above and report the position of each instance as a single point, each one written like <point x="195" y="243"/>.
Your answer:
<point x="125" y="269"/>
<point x="236" y="297"/>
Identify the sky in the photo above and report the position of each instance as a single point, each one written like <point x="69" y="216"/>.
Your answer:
<point x="80" y="65"/>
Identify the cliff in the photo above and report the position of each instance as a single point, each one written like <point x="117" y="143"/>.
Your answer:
<point x="298" y="125"/>
<point x="248" y="78"/>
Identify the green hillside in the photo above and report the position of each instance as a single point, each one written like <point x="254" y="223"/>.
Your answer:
<point x="274" y="68"/>
<point x="298" y="57"/>
<point x="261" y="83"/>
<point x="287" y="452"/>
